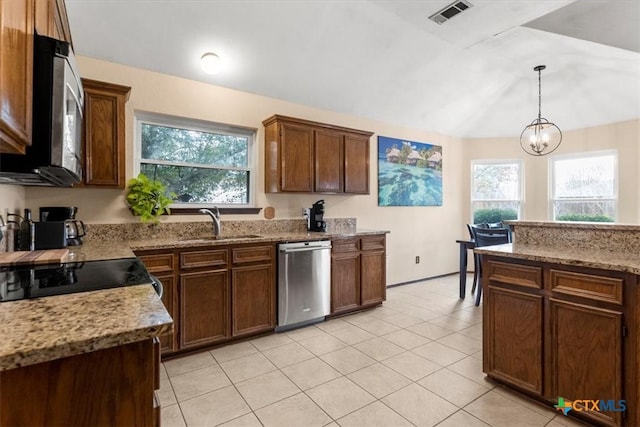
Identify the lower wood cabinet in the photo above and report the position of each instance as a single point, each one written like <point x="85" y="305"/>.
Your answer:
<point x="555" y="331"/>
<point x="514" y="346"/>
<point x="162" y="265"/>
<point x="586" y="354"/>
<point x="169" y="299"/>
<point x="358" y="273"/>
<point x="204" y="308"/>
<point x="215" y="294"/>
<point x="373" y="284"/>
<point x="345" y="281"/>
<point x="109" y="387"/>
<point x="253" y="299"/>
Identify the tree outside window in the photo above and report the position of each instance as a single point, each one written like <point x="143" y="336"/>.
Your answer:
<point x="203" y="163"/>
<point x="496" y="190"/>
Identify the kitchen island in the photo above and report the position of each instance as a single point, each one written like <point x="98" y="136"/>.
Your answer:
<point x="82" y="359"/>
<point x="561" y="317"/>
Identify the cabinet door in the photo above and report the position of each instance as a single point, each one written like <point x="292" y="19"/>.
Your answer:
<point x="345" y="281"/>
<point x="204" y="308"/>
<point x="16" y="74"/>
<point x="44" y="17"/>
<point x="296" y="157"/>
<point x="512" y="337"/>
<point x="253" y="299"/>
<point x="107" y="387"/>
<point x="372" y="281"/>
<point x="329" y="167"/>
<point x="169" y="295"/>
<point x="585" y="352"/>
<point x="356" y="164"/>
<point x="162" y="264"/>
<point x="104" y="134"/>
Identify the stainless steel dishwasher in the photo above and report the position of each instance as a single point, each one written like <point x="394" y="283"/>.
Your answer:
<point x="304" y="283"/>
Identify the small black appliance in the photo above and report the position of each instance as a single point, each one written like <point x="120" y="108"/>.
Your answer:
<point x="316" y="214"/>
<point x="74" y="229"/>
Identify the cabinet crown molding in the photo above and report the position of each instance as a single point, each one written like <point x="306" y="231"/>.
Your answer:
<point x="286" y="119"/>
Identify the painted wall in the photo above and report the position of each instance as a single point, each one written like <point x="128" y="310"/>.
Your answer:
<point x="428" y="232"/>
<point x="623" y="137"/>
<point x="12" y="199"/>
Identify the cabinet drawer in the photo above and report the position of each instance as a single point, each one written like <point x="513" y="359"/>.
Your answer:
<point x="209" y="258"/>
<point x="525" y="276"/>
<point x="158" y="263"/>
<point x="372" y="243"/>
<point x="252" y="254"/>
<point x="590" y="286"/>
<point x="345" y="245"/>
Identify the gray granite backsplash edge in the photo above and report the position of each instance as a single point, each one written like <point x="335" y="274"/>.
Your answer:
<point x="137" y="231"/>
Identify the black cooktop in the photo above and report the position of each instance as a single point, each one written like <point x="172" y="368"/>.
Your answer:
<point x="29" y="281"/>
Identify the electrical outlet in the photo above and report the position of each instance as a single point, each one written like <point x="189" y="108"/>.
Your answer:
<point x="417" y="260"/>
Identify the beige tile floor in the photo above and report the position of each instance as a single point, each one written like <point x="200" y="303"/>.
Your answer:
<point x="414" y="361"/>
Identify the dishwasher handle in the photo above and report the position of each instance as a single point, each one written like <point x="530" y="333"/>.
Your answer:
<point x="318" y="248"/>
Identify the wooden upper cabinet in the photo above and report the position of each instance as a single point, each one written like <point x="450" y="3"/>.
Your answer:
<point x="356" y="164"/>
<point x="104" y="134"/>
<point x="16" y="74"/>
<point x="311" y="157"/>
<point x="329" y="161"/>
<point x="51" y="19"/>
<point x="296" y="158"/>
<point x="44" y="17"/>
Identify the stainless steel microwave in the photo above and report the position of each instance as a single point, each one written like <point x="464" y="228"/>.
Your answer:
<point x="54" y="157"/>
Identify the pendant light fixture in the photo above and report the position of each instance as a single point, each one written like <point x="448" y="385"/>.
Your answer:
<point x="541" y="137"/>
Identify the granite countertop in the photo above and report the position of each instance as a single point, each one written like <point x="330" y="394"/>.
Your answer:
<point x="593" y="258"/>
<point x="575" y="225"/>
<point x="92" y="251"/>
<point x="42" y="329"/>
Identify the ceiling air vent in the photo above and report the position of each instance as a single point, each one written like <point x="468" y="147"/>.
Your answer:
<point x="448" y="12"/>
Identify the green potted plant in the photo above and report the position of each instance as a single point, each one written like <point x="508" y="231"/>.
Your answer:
<point x="148" y="198"/>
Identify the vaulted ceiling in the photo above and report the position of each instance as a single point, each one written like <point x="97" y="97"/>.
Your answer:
<point x="383" y="59"/>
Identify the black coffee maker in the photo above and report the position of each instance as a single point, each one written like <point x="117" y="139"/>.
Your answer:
<point x="74" y="228"/>
<point x="316" y="213"/>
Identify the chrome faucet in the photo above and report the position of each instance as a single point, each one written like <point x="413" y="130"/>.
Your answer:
<point x="215" y="216"/>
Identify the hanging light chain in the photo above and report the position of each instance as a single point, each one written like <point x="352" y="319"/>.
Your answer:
<point x="539" y="94"/>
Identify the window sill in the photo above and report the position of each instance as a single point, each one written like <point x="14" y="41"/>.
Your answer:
<point x="223" y="211"/>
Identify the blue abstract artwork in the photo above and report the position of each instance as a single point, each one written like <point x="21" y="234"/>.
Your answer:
<point x="409" y="173"/>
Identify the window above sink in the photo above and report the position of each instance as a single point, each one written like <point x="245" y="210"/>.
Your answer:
<point x="204" y="163"/>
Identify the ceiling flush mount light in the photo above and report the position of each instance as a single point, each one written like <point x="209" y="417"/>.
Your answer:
<point x="541" y="137"/>
<point x="210" y="63"/>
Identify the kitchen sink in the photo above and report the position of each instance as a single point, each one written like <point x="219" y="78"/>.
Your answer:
<point x="223" y="237"/>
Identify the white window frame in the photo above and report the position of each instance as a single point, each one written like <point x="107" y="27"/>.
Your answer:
<point x="582" y="155"/>
<point x="144" y="117"/>
<point x="521" y="187"/>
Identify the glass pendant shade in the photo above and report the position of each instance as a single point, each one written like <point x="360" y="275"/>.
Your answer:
<point x="541" y="137"/>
